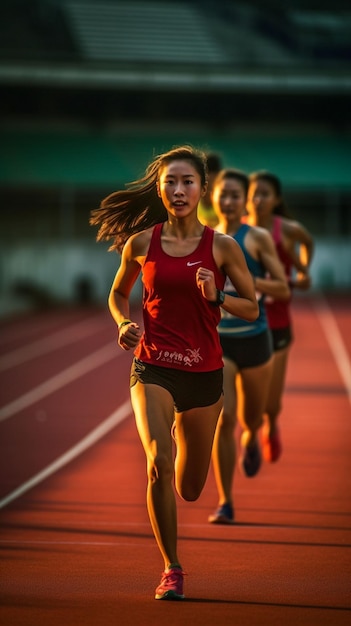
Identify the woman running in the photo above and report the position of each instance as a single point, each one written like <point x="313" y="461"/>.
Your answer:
<point x="294" y="245"/>
<point x="177" y="371"/>
<point x="247" y="346"/>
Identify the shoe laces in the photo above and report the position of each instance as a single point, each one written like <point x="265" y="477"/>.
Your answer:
<point x="171" y="576"/>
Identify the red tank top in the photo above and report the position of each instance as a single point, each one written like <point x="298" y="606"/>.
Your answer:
<point x="180" y="325"/>
<point x="278" y="311"/>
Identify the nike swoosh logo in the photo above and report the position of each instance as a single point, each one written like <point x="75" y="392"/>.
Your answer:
<point x="189" y="264"/>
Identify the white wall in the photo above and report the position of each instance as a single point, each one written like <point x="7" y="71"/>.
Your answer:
<point x="331" y="265"/>
<point x="53" y="270"/>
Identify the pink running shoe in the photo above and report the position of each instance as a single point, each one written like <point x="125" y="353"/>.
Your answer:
<point x="171" y="585"/>
<point x="271" y="446"/>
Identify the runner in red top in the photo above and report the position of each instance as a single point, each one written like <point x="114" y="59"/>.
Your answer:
<point x="278" y="311"/>
<point x="294" y="245"/>
<point x="177" y="371"/>
<point x="173" y="336"/>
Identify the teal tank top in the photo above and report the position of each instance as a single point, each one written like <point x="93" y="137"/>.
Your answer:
<point x="230" y="325"/>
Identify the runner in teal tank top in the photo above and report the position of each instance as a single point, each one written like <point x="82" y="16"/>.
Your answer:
<point x="247" y="346"/>
<point x="231" y="326"/>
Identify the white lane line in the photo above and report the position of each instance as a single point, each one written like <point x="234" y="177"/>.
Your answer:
<point x="335" y="341"/>
<point x="54" y="341"/>
<point x="108" y="424"/>
<point x="92" y="361"/>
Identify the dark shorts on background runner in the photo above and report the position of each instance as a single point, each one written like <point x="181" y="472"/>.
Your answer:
<point x="188" y="389"/>
<point x="248" y="351"/>
<point x="282" y="338"/>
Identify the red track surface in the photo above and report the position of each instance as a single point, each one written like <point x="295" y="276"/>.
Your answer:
<point x="76" y="543"/>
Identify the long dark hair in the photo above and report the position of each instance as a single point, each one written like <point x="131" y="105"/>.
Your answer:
<point x="235" y="174"/>
<point x="273" y="180"/>
<point x="129" y="211"/>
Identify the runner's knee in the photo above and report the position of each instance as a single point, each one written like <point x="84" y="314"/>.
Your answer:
<point x="189" y="491"/>
<point x="227" y="421"/>
<point x="189" y="494"/>
<point x="160" y="468"/>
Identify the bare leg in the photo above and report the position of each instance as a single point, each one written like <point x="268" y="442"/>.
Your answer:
<point x="252" y="398"/>
<point x="195" y="433"/>
<point x="276" y="389"/>
<point x="154" y="414"/>
<point x="224" y="448"/>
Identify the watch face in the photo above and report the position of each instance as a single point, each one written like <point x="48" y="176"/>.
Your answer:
<point x="220" y="297"/>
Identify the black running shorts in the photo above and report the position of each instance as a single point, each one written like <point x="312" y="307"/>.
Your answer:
<point x="282" y="338"/>
<point x="188" y="389"/>
<point x="248" y="351"/>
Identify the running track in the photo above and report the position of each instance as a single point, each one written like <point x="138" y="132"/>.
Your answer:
<point x="76" y="544"/>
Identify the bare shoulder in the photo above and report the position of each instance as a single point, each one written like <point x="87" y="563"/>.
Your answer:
<point x="290" y="226"/>
<point x="224" y="242"/>
<point x="293" y="229"/>
<point x="137" y="245"/>
<point x="258" y="241"/>
<point x="260" y="234"/>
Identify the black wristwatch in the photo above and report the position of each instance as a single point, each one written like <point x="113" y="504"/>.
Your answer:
<point x="220" y="298"/>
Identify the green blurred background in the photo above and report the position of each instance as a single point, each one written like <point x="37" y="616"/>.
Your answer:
<point x="91" y="91"/>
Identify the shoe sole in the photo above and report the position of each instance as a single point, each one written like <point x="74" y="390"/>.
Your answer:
<point x="221" y="520"/>
<point x="170" y="595"/>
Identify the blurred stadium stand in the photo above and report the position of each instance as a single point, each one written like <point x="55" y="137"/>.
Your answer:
<point x="90" y="91"/>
